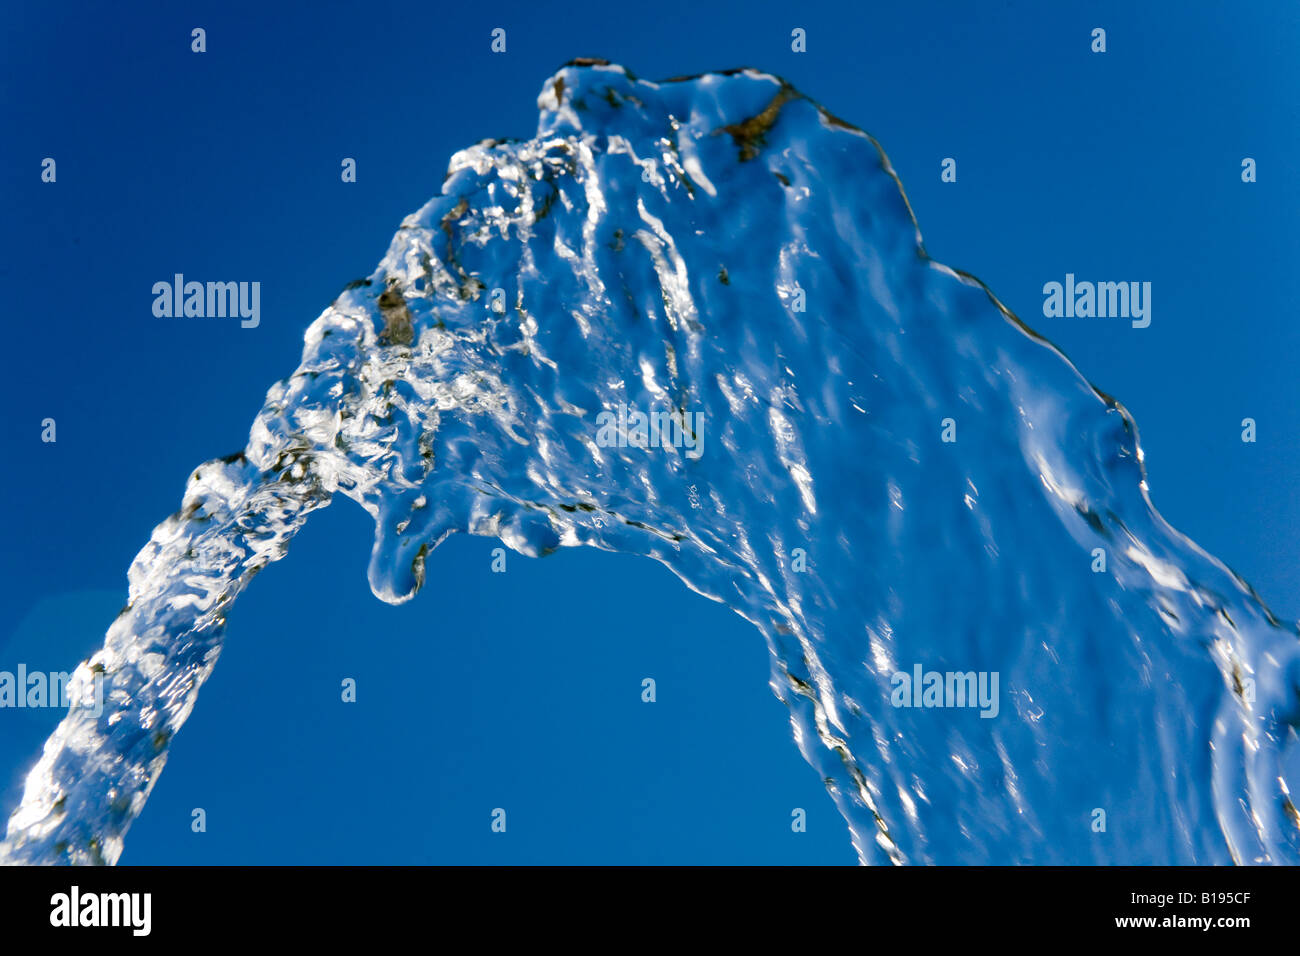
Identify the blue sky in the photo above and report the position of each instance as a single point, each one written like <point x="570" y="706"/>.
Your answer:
<point x="1123" y="165"/>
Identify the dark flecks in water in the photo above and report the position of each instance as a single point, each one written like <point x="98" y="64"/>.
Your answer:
<point x="398" y="328"/>
<point x="450" y="218"/>
<point x="1093" y="519"/>
<point x="800" y="686"/>
<point x="547" y="203"/>
<point x="750" y="135"/>
<point x="646" y="527"/>
<point x="1291" y="813"/>
<point x="417" y="565"/>
<point x="833" y="120"/>
<point x="723" y="277"/>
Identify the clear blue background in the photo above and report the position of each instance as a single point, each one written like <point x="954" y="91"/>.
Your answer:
<point x="522" y="690"/>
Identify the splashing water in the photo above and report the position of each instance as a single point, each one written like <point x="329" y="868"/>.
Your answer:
<point x="722" y="250"/>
